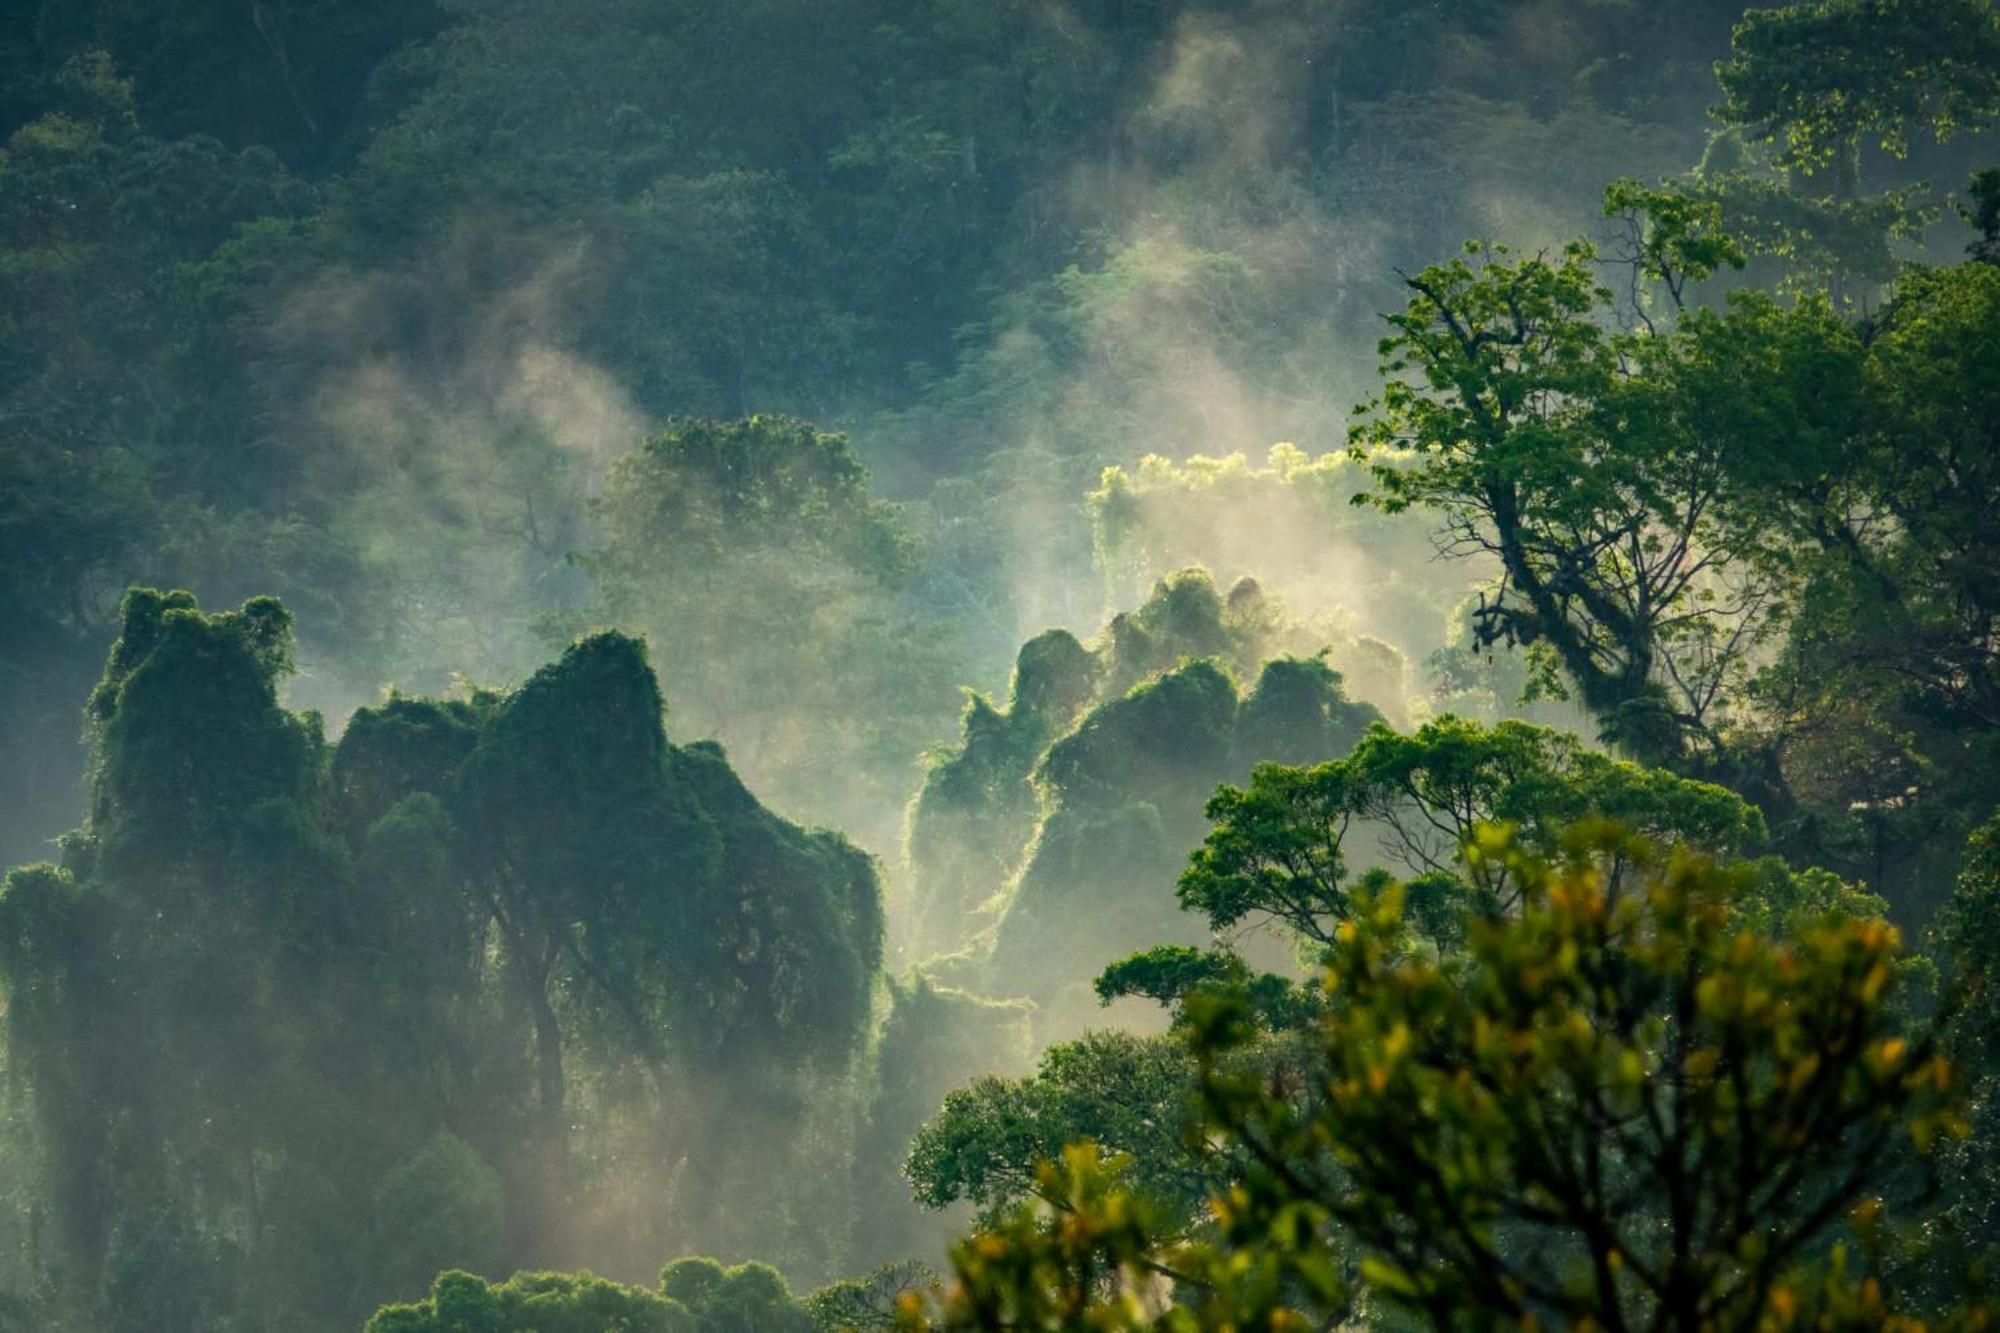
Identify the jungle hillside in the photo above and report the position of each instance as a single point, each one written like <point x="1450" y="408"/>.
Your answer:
<point x="958" y="666"/>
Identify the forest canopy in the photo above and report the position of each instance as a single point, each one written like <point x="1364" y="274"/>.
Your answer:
<point x="1040" y="664"/>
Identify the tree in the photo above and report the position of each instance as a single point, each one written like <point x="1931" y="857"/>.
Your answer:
<point x="533" y="1303"/>
<point x="1818" y="78"/>
<point x="1084" y="1259"/>
<point x="1624" y="1107"/>
<point x="1808" y="88"/>
<point x="1618" y="1107"/>
<point x="1125" y="1092"/>
<point x="694" y="1296"/>
<point x="1969" y="949"/>
<point x="1560" y="448"/>
<point x="440" y="1209"/>
<point x="1924" y="462"/>
<point x="873" y="1302"/>
<point x="180" y="989"/>
<point x="746" y="1298"/>
<point x="1865" y="459"/>
<point x="1278" y="849"/>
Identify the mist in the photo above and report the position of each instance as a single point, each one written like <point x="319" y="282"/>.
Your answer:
<point x="632" y="623"/>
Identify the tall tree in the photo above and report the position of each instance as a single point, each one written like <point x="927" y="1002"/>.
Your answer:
<point x="1618" y="1107"/>
<point x="1560" y="447"/>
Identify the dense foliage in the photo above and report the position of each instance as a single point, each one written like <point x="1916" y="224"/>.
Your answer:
<point x="483" y="958"/>
<point x="694" y="1296"/>
<point x="1621" y="1105"/>
<point x="785" y="705"/>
